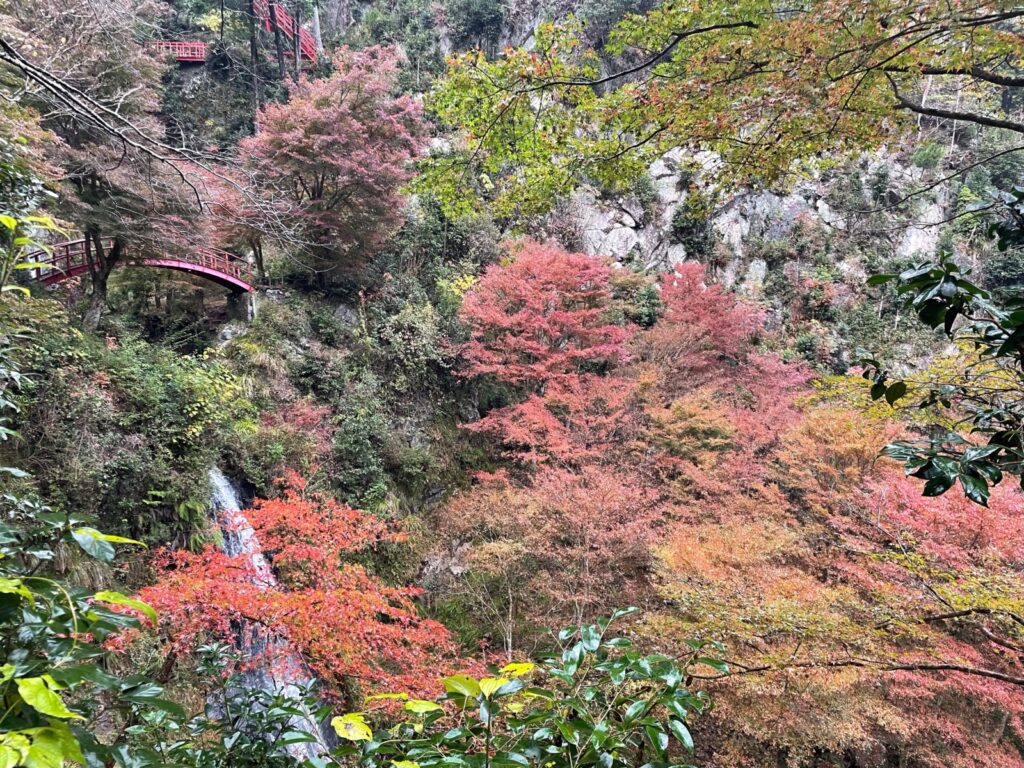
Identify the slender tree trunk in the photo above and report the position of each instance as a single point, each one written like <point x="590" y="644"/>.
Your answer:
<point x="100" y="267"/>
<point x="278" y="43"/>
<point x="257" y="256"/>
<point x="317" y="34"/>
<point x="254" y="52"/>
<point x="297" y="40"/>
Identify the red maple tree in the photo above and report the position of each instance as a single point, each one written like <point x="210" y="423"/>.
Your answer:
<point x="334" y="157"/>
<point x="343" y="621"/>
<point x="740" y="504"/>
<point x="540" y="324"/>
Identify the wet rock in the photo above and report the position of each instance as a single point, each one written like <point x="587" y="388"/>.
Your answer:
<point x="448" y="562"/>
<point x="922" y="237"/>
<point x="229" y="332"/>
<point x="753" y="280"/>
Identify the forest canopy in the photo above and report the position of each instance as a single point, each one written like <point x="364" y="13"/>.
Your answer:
<point x="455" y="384"/>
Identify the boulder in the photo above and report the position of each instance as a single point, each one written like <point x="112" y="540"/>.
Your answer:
<point x="632" y="209"/>
<point x="675" y="254"/>
<point x="619" y="243"/>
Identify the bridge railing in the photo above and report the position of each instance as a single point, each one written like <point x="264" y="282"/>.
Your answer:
<point x="63" y="258"/>
<point x="71" y="257"/>
<point x="307" y="43"/>
<point x="220" y="261"/>
<point x="182" y="50"/>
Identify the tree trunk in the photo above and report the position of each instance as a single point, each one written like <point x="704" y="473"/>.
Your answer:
<point x="317" y="34"/>
<point x="257" y="254"/>
<point x="254" y="53"/>
<point x="100" y="268"/>
<point x="278" y="43"/>
<point x="297" y="40"/>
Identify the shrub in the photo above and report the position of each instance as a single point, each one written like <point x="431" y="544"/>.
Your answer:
<point x="592" y="703"/>
<point x="126" y="432"/>
<point x="928" y="155"/>
<point x="327" y="328"/>
<point x="359" y="442"/>
<point x="601" y="15"/>
<point x="691" y="225"/>
<point x="413" y="25"/>
<point x="1004" y="274"/>
<point x="322" y="374"/>
<point x="474" y="22"/>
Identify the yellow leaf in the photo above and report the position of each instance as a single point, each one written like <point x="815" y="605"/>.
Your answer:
<point x="491" y="684"/>
<point x="421" y="706"/>
<point x="116" y="598"/>
<point x="518" y="668"/>
<point x="38" y="695"/>
<point x="352" y="727"/>
<point x="384" y="696"/>
<point x="16" y="587"/>
<point x="467" y="686"/>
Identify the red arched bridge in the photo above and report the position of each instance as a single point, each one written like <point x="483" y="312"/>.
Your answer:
<point x="270" y="15"/>
<point x="72" y="258"/>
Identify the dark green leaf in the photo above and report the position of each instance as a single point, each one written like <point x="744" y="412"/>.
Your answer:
<point x="681" y="732"/>
<point x="895" y="392"/>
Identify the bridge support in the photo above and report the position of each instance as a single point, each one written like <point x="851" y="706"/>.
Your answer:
<point x="241" y="306"/>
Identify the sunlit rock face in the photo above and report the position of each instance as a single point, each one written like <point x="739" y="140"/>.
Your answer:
<point x="632" y="231"/>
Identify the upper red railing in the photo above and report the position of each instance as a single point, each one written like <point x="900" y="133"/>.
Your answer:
<point x="266" y="12"/>
<point x="288" y="25"/>
<point x="182" y="51"/>
<point x="71" y="258"/>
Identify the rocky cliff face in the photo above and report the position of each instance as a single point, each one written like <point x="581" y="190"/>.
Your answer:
<point x="627" y="228"/>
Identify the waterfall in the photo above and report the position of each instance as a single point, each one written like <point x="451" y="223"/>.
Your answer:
<point x="282" y="671"/>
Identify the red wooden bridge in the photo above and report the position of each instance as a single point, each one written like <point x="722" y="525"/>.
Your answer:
<point x="193" y="52"/>
<point x="268" y="14"/>
<point x="70" y="259"/>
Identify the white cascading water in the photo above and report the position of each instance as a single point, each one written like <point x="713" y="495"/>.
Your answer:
<point x="280" y="670"/>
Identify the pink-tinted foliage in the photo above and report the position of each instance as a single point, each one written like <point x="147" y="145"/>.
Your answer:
<point x="539" y="324"/>
<point x="584" y="535"/>
<point x="951" y="528"/>
<point x="571" y="422"/>
<point x="540" y="320"/>
<point x="337" y="153"/>
<point x="704" y="331"/>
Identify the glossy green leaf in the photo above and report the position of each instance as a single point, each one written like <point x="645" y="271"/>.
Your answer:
<point x="37" y="694"/>
<point x="116" y="598"/>
<point x="681" y="732"/>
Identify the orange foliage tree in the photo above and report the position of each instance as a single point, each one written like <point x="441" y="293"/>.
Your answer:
<point x="862" y="619"/>
<point x="864" y="623"/>
<point x="345" y="623"/>
<point x="558" y="547"/>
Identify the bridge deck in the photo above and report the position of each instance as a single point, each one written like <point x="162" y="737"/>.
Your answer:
<point x="69" y="259"/>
